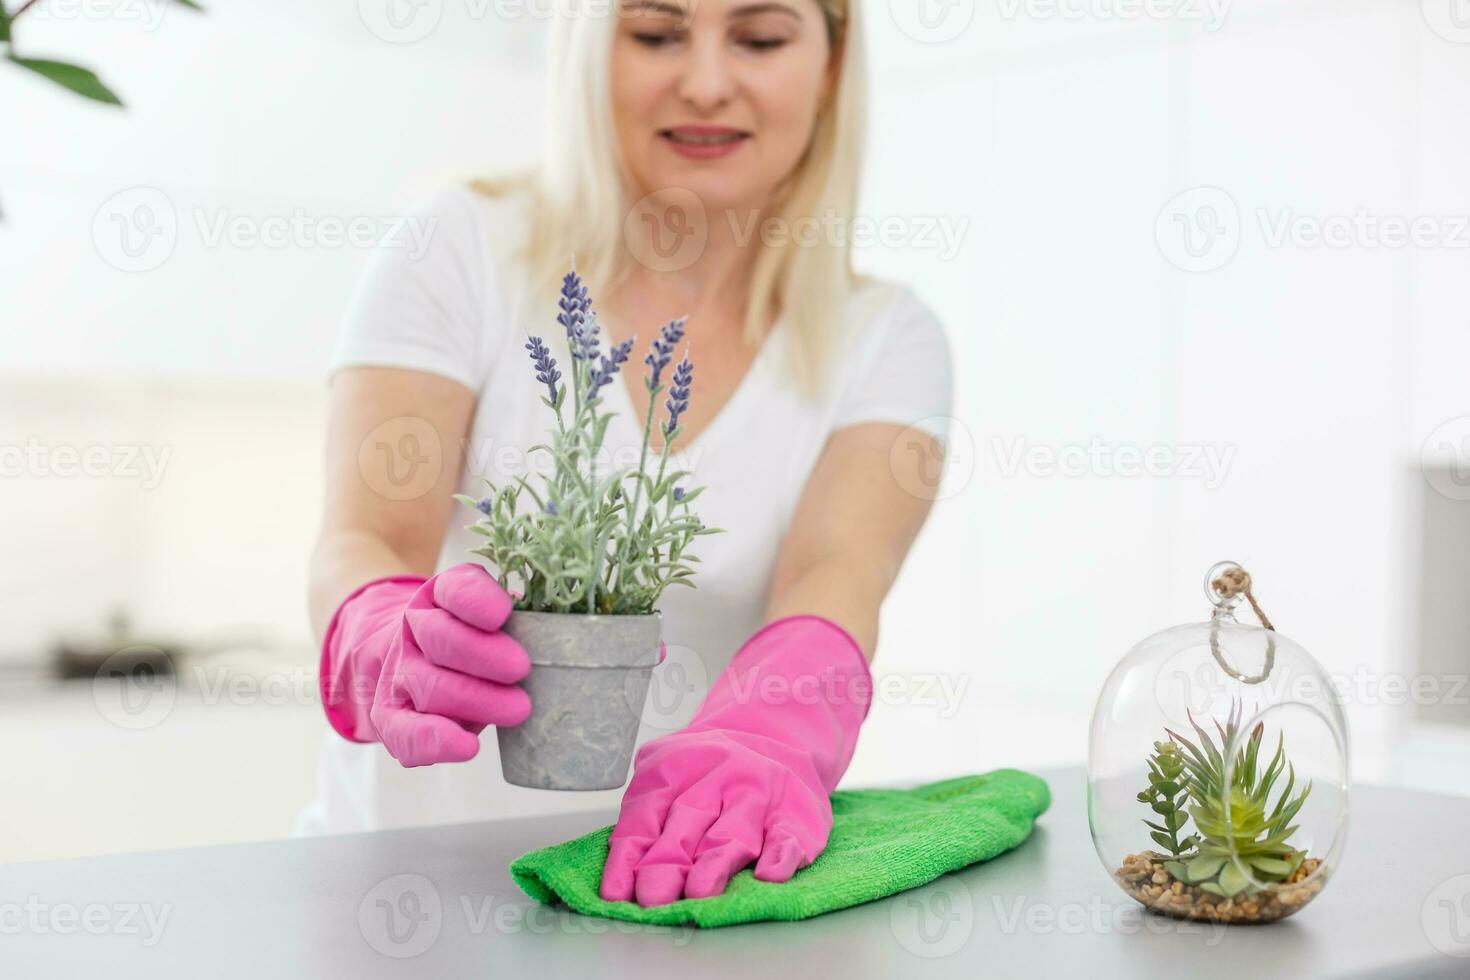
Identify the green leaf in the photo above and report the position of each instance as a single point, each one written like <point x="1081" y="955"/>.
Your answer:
<point x="1204" y="867"/>
<point x="80" y="80"/>
<point x="1163" y="840"/>
<point x="190" y="4"/>
<point x="1197" y="759"/>
<point x="1274" y="867"/>
<point x="1248" y="760"/>
<point x="4" y="24"/>
<point x="540" y="504"/>
<point x="1175" y="868"/>
<point x="1216" y="761"/>
<point x="1232" y="879"/>
<point x="1285" y="794"/>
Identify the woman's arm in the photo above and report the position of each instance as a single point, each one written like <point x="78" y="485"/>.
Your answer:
<point x="852" y="528"/>
<point x="391" y="433"/>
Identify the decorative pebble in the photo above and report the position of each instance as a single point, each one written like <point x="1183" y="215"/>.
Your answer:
<point x="1144" y="877"/>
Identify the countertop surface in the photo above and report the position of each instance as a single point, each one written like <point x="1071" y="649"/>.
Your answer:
<point x="439" y="902"/>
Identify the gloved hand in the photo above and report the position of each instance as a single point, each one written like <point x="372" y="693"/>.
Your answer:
<point x="749" y="778"/>
<point x="421" y="665"/>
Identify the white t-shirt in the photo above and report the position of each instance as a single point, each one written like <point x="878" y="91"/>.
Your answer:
<point x="461" y="310"/>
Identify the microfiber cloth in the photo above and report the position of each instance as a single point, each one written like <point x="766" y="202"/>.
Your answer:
<point x="883" y="842"/>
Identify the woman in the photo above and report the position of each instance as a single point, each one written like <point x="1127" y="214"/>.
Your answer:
<point x="690" y="146"/>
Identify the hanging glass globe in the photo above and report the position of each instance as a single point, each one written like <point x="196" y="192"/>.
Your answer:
<point x="1217" y="768"/>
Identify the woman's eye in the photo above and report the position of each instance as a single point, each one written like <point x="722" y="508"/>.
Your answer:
<point x="763" y="43"/>
<point x="651" y="39"/>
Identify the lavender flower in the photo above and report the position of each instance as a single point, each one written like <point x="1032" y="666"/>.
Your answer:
<point x="573" y="304"/>
<point x="663" y="347"/>
<point x="584" y="336"/>
<point x="678" y="400"/>
<point x="618" y="555"/>
<point x="546" y="371"/>
<point x="604" y="374"/>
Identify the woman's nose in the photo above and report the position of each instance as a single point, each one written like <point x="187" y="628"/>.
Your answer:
<point x="706" y="81"/>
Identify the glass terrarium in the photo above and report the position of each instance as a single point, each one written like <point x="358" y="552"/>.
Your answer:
<point x="1217" y="768"/>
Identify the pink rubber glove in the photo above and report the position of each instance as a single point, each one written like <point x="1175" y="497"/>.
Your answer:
<point x="421" y="665"/>
<point x="748" y="779"/>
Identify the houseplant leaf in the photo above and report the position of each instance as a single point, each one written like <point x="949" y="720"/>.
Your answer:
<point x="80" y="80"/>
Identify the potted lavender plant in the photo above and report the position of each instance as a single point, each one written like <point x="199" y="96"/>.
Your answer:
<point x="587" y="563"/>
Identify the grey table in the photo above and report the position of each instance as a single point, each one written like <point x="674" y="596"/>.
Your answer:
<point x="439" y="902"/>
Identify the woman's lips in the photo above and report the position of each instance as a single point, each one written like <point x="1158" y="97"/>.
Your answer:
<point x="704" y="142"/>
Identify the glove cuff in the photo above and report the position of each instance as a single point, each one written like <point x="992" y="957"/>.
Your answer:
<point x="801" y="680"/>
<point x="346" y="695"/>
<point x="861" y="676"/>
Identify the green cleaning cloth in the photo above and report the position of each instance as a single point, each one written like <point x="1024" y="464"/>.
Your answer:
<point x="883" y="842"/>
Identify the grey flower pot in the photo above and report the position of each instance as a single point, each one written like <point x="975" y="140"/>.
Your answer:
<point x="588" y="682"/>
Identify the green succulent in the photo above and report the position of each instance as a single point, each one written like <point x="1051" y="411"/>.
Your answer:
<point x="1253" y="834"/>
<point x="1166" y="794"/>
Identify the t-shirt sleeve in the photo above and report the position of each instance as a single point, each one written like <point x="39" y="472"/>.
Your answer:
<point x="902" y="371"/>
<point x="421" y="301"/>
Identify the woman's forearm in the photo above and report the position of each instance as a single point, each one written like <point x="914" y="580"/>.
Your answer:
<point x="344" y="560"/>
<point x="367" y="533"/>
<point x="841" y="588"/>
<point x="849" y="535"/>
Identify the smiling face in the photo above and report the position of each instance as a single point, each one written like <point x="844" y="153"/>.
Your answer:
<point x="719" y="97"/>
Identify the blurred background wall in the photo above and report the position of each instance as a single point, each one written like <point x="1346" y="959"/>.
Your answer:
<point x="1228" y="238"/>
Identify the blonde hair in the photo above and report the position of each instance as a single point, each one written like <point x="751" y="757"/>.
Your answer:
<point x="581" y="194"/>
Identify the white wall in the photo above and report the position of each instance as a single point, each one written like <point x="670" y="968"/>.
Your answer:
<point x="1058" y="144"/>
<point x="1321" y="371"/>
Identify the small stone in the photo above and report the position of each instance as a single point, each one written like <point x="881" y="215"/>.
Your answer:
<point x="1179" y="899"/>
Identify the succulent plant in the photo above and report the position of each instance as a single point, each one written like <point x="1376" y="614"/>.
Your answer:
<point x="1166" y="795"/>
<point x="1241" y="834"/>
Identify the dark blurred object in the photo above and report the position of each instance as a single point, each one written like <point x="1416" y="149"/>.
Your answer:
<point x="118" y="651"/>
